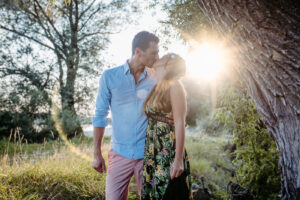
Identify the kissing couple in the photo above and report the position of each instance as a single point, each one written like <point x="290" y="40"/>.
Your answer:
<point x="148" y="121"/>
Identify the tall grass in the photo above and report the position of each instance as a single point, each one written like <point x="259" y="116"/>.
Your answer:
<point x="210" y="162"/>
<point x="53" y="170"/>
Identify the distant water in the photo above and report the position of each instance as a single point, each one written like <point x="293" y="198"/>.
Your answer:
<point x="88" y="130"/>
<point x="193" y="131"/>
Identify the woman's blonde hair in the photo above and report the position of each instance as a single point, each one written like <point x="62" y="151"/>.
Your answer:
<point x="159" y="97"/>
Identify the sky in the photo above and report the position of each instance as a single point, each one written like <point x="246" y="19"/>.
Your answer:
<point x="120" y="48"/>
<point x="202" y="64"/>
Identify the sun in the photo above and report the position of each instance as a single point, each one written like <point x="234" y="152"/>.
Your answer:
<point x="206" y="60"/>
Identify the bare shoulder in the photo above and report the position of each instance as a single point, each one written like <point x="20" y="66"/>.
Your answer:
<point x="178" y="97"/>
<point x="177" y="88"/>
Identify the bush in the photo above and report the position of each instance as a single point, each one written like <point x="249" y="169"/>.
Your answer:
<point x="209" y="162"/>
<point x="32" y="128"/>
<point x="256" y="156"/>
<point x="26" y="110"/>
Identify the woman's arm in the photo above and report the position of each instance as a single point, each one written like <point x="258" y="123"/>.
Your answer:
<point x="178" y="102"/>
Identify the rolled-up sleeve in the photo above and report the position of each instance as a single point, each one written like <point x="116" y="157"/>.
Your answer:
<point x="102" y="103"/>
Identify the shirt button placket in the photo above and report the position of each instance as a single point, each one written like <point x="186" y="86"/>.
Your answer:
<point x="136" y="106"/>
<point x="135" y="98"/>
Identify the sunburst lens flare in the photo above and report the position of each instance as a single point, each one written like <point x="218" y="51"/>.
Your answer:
<point x="205" y="60"/>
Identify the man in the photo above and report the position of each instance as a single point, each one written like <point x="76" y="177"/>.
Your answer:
<point x="123" y="90"/>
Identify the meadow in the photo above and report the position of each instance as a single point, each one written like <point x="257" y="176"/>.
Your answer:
<point x="60" y="170"/>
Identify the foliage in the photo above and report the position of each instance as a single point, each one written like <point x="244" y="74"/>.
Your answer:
<point x="44" y="44"/>
<point x="209" y="161"/>
<point x="256" y="156"/>
<point x="24" y="108"/>
<point x="184" y="16"/>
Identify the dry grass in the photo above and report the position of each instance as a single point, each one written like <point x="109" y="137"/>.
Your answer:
<point x="54" y="170"/>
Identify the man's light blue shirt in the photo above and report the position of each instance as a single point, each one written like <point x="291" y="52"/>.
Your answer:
<point x="118" y="92"/>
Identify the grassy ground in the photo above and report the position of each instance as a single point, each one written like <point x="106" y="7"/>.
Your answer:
<point x="210" y="162"/>
<point x="54" y="170"/>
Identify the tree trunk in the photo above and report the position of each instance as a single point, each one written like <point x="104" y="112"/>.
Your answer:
<point x="71" y="124"/>
<point x="70" y="121"/>
<point x="267" y="37"/>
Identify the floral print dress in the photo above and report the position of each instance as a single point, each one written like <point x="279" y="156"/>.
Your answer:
<point x="158" y="158"/>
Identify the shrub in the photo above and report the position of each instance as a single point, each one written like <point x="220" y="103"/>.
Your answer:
<point x="256" y="156"/>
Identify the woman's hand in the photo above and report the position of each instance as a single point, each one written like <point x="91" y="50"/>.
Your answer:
<point x="177" y="168"/>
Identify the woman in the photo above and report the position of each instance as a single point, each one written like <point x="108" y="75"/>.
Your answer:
<point x="166" y="173"/>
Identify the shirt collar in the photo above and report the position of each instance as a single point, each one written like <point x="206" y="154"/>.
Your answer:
<point x="127" y="69"/>
<point x="144" y="74"/>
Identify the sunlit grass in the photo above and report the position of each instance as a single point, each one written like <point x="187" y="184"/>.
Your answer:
<point x="50" y="171"/>
<point x="62" y="177"/>
<point x="53" y="171"/>
<point x="11" y="147"/>
<point x="209" y="161"/>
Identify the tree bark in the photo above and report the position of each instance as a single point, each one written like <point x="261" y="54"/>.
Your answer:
<point x="267" y="37"/>
<point x="71" y="124"/>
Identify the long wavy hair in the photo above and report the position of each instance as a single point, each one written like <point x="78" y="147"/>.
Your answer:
<point x="159" y="97"/>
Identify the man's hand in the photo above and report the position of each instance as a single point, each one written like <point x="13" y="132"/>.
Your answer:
<point x="99" y="163"/>
<point x="176" y="169"/>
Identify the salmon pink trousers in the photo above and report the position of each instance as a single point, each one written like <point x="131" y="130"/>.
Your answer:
<point x="119" y="173"/>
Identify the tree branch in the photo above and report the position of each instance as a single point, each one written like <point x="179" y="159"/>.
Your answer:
<point x="89" y="7"/>
<point x="91" y="34"/>
<point x="91" y="15"/>
<point x="28" y="37"/>
<point x="51" y="23"/>
<point x="47" y="31"/>
<point x="48" y="77"/>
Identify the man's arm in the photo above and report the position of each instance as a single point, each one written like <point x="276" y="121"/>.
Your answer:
<point x="100" y="121"/>
<point x="99" y="162"/>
